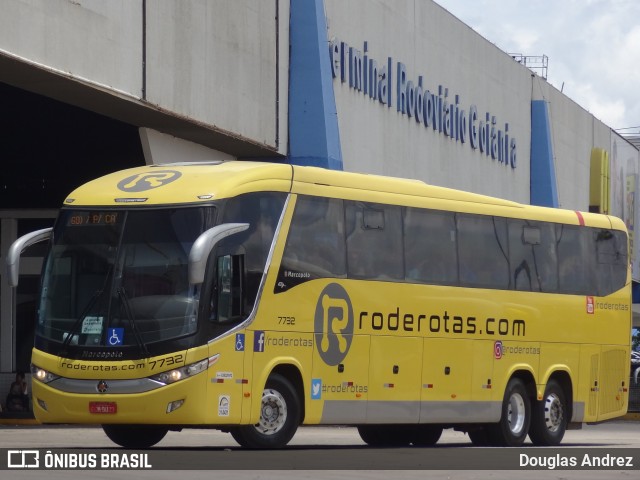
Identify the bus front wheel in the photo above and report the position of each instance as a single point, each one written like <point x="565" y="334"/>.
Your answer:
<point x="513" y="427"/>
<point x="135" y="436"/>
<point x="280" y="415"/>
<point x="549" y="417"/>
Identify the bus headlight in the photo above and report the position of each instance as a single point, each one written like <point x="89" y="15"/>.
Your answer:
<point x="178" y="374"/>
<point x="42" y="375"/>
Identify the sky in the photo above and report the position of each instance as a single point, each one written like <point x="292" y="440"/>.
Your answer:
<point x="593" y="47"/>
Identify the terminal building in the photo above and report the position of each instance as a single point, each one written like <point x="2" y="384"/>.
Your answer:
<point x="392" y="87"/>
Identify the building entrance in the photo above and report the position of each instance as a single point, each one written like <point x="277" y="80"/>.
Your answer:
<point x="48" y="148"/>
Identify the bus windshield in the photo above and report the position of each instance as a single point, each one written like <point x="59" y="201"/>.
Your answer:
<point x="119" y="278"/>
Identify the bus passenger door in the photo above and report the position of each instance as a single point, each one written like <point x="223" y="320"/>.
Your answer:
<point x="394" y="379"/>
<point x="226" y="379"/>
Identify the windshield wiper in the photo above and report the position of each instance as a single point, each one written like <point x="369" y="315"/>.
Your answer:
<point x="129" y="314"/>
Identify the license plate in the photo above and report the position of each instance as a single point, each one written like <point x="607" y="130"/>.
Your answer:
<point x="103" y="407"/>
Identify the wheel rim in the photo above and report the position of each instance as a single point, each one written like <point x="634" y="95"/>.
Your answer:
<point x="553" y="412"/>
<point x="273" y="413"/>
<point x="516" y="413"/>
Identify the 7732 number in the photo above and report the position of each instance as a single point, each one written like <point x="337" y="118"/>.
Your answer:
<point x="167" y="361"/>
<point x="286" y="320"/>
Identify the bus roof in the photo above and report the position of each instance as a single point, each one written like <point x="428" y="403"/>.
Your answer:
<point x="181" y="183"/>
<point x="201" y="182"/>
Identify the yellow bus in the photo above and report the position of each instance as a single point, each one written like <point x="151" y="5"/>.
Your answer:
<point x="254" y="297"/>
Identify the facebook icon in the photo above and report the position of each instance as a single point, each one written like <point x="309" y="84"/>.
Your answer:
<point x="258" y="341"/>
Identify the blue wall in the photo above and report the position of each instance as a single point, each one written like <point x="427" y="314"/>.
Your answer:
<point x="544" y="190"/>
<point x="314" y="138"/>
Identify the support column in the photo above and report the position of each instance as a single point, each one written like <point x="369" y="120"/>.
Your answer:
<point x="314" y="137"/>
<point x="544" y="190"/>
<point x="9" y="232"/>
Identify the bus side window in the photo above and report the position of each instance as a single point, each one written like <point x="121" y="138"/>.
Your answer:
<point x="532" y="256"/>
<point x="576" y="260"/>
<point x="230" y="272"/>
<point x="374" y="241"/>
<point x="611" y="252"/>
<point x="430" y="246"/>
<point x="315" y="243"/>
<point x="483" y="251"/>
<point x="261" y="210"/>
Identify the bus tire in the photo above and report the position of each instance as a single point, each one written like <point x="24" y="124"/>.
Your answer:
<point x="513" y="427"/>
<point x="549" y="416"/>
<point x="135" y="436"/>
<point x="280" y="415"/>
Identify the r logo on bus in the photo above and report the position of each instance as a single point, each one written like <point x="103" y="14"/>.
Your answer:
<point x="333" y="324"/>
<point x="148" y="180"/>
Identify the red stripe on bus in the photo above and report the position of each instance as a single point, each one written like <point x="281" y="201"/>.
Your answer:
<point x="580" y="218"/>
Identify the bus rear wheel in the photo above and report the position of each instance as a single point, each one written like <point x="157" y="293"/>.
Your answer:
<point x="513" y="427"/>
<point x="549" y="417"/>
<point x="280" y="415"/>
<point x="135" y="436"/>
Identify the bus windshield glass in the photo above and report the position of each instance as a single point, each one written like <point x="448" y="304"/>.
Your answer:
<point x="119" y="278"/>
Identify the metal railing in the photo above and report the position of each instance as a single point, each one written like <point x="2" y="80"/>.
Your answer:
<point x="537" y="63"/>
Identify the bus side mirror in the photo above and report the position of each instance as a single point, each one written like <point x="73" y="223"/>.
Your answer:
<point x="230" y="271"/>
<point x="203" y="246"/>
<point x="19" y="246"/>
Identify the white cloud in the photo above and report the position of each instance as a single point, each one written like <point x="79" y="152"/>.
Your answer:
<point x="593" y="46"/>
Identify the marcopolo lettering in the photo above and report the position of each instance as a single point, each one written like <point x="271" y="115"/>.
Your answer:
<point x="436" y="109"/>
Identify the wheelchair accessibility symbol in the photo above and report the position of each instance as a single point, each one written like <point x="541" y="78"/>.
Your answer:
<point x="239" y="342"/>
<point x="115" y="336"/>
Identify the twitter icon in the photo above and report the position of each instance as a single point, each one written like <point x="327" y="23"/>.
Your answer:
<point x="316" y="388"/>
